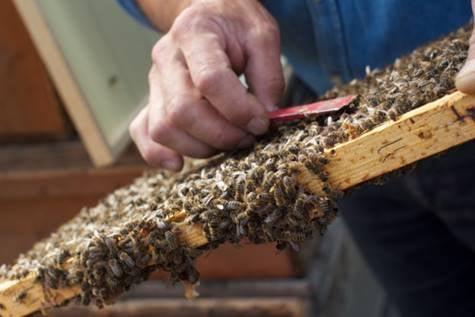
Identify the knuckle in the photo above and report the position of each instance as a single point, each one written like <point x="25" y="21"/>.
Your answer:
<point x="240" y="115"/>
<point x="158" y="50"/>
<point x="272" y="28"/>
<point x="207" y="78"/>
<point x="178" y="109"/>
<point x="179" y="28"/>
<point x="267" y="34"/>
<point x="147" y="154"/>
<point x="224" y="141"/>
<point x="159" y="131"/>
<point x="190" y="19"/>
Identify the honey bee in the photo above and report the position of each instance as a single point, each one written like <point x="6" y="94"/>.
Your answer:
<point x="240" y="190"/>
<point x="242" y="218"/>
<point x="85" y="298"/>
<point x="114" y="267"/>
<point x="278" y="195"/>
<point x="233" y="205"/>
<point x="213" y="228"/>
<point x="111" y="246"/>
<point x="273" y="217"/>
<point x="112" y="282"/>
<point x="193" y="218"/>
<point x="263" y="209"/>
<point x="224" y="224"/>
<point x="206" y="215"/>
<point x="162" y="225"/>
<point x="144" y="261"/>
<point x="125" y="258"/>
<point x="294" y="236"/>
<point x="392" y="114"/>
<point x="330" y="140"/>
<point x="289" y="186"/>
<point x="292" y="221"/>
<point x="239" y="231"/>
<point x="53" y="277"/>
<point x="99" y="269"/>
<point x="62" y="257"/>
<point x="171" y="240"/>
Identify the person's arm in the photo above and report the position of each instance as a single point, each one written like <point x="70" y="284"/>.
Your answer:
<point x="197" y="104"/>
<point x="162" y="13"/>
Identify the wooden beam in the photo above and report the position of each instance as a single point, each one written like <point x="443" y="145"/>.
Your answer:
<point x="249" y="288"/>
<point x="21" y="298"/>
<point x="418" y="134"/>
<point x="55" y="156"/>
<point x="232" y="307"/>
<point x="428" y="130"/>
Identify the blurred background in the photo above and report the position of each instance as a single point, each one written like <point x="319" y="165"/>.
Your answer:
<point x="72" y="76"/>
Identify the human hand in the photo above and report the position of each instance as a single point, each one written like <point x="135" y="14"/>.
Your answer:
<point x="465" y="80"/>
<point x="197" y="104"/>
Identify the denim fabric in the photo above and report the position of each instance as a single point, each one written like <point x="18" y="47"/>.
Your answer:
<point x="334" y="40"/>
<point x="134" y="10"/>
<point x="417" y="232"/>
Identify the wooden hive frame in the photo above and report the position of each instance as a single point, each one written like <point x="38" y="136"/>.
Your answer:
<point x="418" y="134"/>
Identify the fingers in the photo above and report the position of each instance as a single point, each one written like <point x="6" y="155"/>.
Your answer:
<point x="213" y="76"/>
<point x="187" y="110"/>
<point x="163" y="132"/>
<point x="465" y="80"/>
<point x="153" y="153"/>
<point x="161" y="127"/>
<point x="264" y="69"/>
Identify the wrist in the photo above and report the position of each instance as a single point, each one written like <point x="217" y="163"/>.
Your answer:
<point x="162" y="14"/>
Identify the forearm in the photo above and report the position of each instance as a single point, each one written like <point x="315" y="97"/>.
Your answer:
<point x="162" y="13"/>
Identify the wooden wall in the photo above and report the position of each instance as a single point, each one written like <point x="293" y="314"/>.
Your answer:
<point x="29" y="107"/>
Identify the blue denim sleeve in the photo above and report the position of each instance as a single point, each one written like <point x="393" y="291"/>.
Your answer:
<point x="334" y="40"/>
<point x="134" y="10"/>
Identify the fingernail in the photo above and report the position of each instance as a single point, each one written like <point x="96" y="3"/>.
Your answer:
<point x="258" y="125"/>
<point x="271" y="107"/>
<point x="171" y="165"/>
<point x="246" y="142"/>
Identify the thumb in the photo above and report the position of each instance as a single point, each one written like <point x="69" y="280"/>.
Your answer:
<point x="465" y="79"/>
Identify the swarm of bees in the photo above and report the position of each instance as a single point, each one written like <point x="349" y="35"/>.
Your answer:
<point x="251" y="194"/>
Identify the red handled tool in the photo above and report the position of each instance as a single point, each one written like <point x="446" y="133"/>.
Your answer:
<point x="310" y="110"/>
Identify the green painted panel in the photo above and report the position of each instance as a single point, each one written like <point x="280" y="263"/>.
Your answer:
<point x="109" y="55"/>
